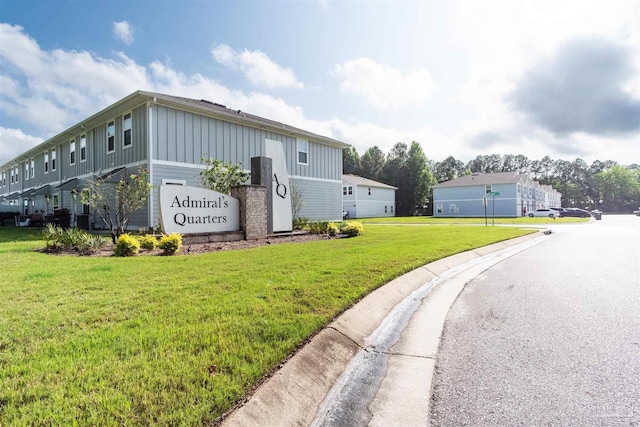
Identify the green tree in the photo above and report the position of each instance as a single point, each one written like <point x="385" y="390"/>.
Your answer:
<point x="372" y="164"/>
<point x="350" y="160"/>
<point x="115" y="203"/>
<point x="417" y="182"/>
<point x="220" y="176"/>
<point x="448" y="169"/>
<point x="619" y="189"/>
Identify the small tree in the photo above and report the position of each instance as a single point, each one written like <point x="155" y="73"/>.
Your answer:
<point x="220" y="176"/>
<point x="116" y="203"/>
<point x="297" y="201"/>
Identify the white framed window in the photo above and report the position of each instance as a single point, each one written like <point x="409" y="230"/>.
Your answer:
<point x="369" y="191"/>
<point x="391" y="208"/>
<point x="344" y="191"/>
<point x="111" y="137"/>
<point x="26" y="170"/>
<point x="303" y="152"/>
<point x="453" y="208"/>
<point x="385" y="209"/>
<point x="83" y="148"/>
<point x="439" y="209"/>
<point x="126" y="130"/>
<point x="4" y="179"/>
<point x="488" y="189"/>
<point x="11" y="175"/>
<point x="56" y="201"/>
<point x="350" y="190"/>
<point x="33" y="168"/>
<point x="518" y="188"/>
<point x="17" y="174"/>
<point x="53" y="160"/>
<point x="46" y="162"/>
<point x="72" y="152"/>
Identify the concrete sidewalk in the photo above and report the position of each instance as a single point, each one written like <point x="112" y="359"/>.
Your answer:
<point x="373" y="365"/>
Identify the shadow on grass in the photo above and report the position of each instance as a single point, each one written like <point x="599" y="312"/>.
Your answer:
<point x="19" y="234"/>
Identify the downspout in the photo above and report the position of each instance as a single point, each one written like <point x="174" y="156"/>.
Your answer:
<point x="150" y="159"/>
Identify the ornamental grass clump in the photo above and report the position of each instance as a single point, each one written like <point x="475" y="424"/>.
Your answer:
<point x="126" y="245"/>
<point x="351" y="228"/>
<point x="148" y="242"/>
<point x="170" y="243"/>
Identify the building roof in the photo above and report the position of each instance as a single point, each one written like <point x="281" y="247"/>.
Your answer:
<point x="484" y="179"/>
<point x="201" y="106"/>
<point x="364" y="182"/>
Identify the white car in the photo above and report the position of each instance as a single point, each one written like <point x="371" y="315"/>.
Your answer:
<point x="546" y="213"/>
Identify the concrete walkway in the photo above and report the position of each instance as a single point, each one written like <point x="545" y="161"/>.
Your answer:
<point x="373" y="365"/>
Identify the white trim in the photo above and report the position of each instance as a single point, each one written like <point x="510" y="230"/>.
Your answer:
<point x="74" y="151"/>
<point x="178" y="164"/>
<point x="298" y="151"/>
<point x="308" y="178"/>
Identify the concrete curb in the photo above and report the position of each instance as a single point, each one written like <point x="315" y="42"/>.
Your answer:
<point x="294" y="394"/>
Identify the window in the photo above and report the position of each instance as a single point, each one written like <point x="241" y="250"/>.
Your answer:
<point x="33" y="168"/>
<point x="53" y="160"/>
<point x="350" y="190"/>
<point x="518" y="188"/>
<point x="369" y="190"/>
<point x="56" y="202"/>
<point x="111" y="137"/>
<point x="3" y="179"/>
<point x="487" y="189"/>
<point x="453" y="208"/>
<point x="126" y="130"/>
<point x="11" y="173"/>
<point x="26" y="170"/>
<point x="439" y="209"/>
<point x="391" y="208"/>
<point x="17" y="174"/>
<point x="344" y="191"/>
<point x="83" y="148"/>
<point x="46" y="162"/>
<point x="385" y="208"/>
<point x="72" y="151"/>
<point x="303" y="147"/>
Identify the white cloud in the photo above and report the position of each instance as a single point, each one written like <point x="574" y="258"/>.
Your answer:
<point x="123" y="31"/>
<point x="257" y="67"/>
<point x="383" y="86"/>
<point x="14" y="142"/>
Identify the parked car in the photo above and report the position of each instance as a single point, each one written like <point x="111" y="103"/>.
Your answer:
<point x="577" y="212"/>
<point x="560" y="211"/>
<point x="637" y="213"/>
<point x="546" y="213"/>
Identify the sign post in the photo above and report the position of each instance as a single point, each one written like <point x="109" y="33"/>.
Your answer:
<point x="484" y="203"/>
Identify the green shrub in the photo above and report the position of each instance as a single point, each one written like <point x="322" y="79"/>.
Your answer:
<point x="332" y="229"/>
<point x="318" y="227"/>
<point x="126" y="245"/>
<point x="148" y="242"/>
<point x="171" y="243"/>
<point x="300" y="223"/>
<point x="351" y="228"/>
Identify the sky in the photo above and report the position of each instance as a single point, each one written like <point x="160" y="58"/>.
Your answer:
<point x="558" y="78"/>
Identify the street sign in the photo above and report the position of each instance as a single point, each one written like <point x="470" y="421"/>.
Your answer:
<point x="495" y="193"/>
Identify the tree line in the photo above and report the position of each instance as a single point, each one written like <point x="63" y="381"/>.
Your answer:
<point x="605" y="185"/>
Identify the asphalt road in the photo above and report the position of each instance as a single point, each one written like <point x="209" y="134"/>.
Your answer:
<point x="550" y="336"/>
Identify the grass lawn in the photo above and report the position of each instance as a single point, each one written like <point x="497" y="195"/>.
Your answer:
<point x="524" y="221"/>
<point x="177" y="340"/>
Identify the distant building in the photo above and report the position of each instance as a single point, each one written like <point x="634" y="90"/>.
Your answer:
<point x="365" y="198"/>
<point x="508" y="194"/>
<point x="168" y="135"/>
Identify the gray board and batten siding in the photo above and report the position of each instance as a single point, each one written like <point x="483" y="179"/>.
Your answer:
<point x="170" y="135"/>
<point x="468" y="201"/>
